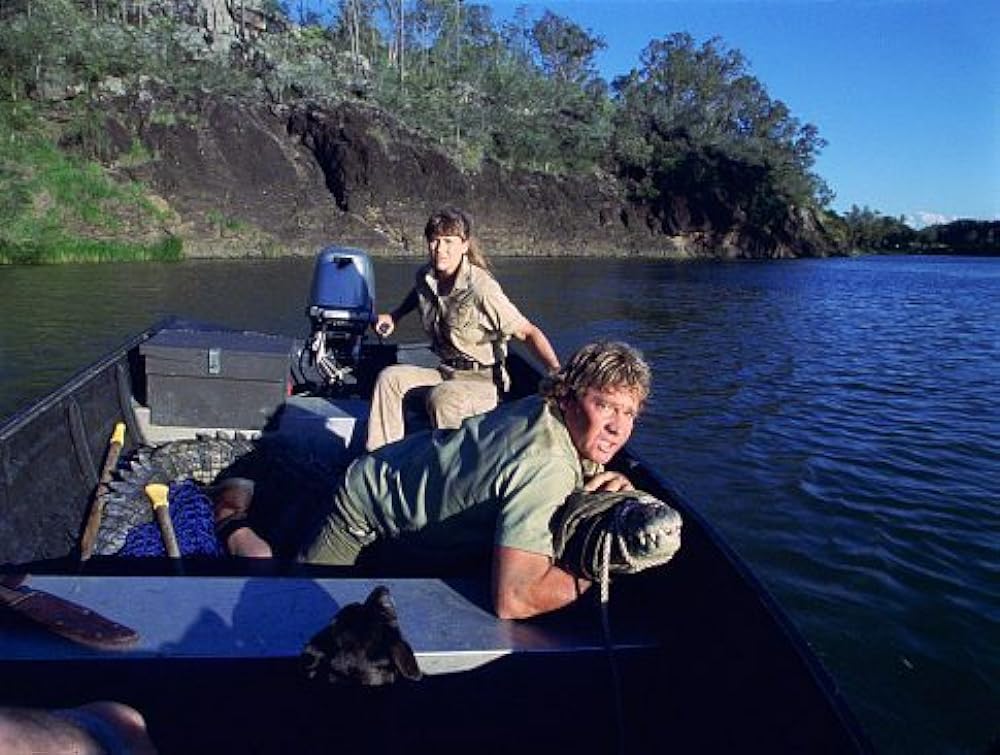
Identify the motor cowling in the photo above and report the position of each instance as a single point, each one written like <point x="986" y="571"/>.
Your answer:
<point x="341" y="308"/>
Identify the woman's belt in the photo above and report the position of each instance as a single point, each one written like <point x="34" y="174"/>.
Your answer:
<point x="464" y="363"/>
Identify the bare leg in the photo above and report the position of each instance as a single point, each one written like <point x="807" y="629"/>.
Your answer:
<point x="99" y="728"/>
<point x="248" y="544"/>
<point x="232" y="498"/>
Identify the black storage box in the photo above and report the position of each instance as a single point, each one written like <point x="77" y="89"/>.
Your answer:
<point x="215" y="378"/>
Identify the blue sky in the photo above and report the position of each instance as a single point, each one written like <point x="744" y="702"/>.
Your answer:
<point x="906" y="92"/>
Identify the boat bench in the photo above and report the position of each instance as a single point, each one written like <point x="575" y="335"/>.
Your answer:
<point x="446" y="621"/>
<point x="339" y="421"/>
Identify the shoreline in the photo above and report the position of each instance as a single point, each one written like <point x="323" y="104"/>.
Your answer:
<point x="681" y="248"/>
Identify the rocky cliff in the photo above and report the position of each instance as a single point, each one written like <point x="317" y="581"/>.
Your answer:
<point x="242" y="179"/>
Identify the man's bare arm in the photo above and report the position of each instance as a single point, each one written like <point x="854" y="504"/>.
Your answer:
<point x="526" y="584"/>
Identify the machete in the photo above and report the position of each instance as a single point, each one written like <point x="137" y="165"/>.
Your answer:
<point x="64" y="617"/>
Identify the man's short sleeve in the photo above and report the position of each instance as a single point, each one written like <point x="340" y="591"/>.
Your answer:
<point x="532" y="495"/>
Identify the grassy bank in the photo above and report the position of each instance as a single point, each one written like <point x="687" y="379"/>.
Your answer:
<point x="56" y="207"/>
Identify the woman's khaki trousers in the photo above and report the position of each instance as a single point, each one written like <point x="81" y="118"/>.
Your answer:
<point x="450" y="396"/>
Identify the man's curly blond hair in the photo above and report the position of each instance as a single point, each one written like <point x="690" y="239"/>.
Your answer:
<point x="602" y="365"/>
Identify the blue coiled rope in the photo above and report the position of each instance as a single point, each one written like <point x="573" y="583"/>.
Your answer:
<point x="192" y="514"/>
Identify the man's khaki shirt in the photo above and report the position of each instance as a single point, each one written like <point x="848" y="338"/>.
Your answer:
<point x="496" y="480"/>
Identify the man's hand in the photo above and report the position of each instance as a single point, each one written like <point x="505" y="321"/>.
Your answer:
<point x="613" y="482"/>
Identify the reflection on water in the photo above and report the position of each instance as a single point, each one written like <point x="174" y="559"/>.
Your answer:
<point x="836" y="419"/>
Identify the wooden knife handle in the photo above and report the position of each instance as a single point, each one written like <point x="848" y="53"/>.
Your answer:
<point x="68" y="619"/>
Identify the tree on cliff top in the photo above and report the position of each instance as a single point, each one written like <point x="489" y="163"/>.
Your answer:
<point x="687" y="98"/>
<point x="566" y="50"/>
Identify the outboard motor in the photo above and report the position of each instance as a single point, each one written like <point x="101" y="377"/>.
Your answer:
<point x="341" y="308"/>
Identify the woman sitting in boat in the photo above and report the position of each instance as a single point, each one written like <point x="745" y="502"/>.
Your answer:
<point x="468" y="319"/>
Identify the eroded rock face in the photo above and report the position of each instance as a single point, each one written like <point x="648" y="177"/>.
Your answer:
<point x="375" y="169"/>
<point x="249" y="180"/>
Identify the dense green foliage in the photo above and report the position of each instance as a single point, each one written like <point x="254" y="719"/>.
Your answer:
<point x="57" y="202"/>
<point x="525" y="93"/>
<point x="869" y="230"/>
<point x="55" y="207"/>
<point x="702" y="99"/>
<point x="962" y="236"/>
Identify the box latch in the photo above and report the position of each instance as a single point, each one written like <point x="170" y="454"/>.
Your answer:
<point x="215" y="361"/>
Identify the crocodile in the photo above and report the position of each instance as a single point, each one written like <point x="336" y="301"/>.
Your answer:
<point x="597" y="534"/>
<point x="293" y="485"/>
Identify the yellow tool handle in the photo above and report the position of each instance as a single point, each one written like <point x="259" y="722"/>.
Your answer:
<point x="118" y="436"/>
<point x="96" y="512"/>
<point x="157" y="494"/>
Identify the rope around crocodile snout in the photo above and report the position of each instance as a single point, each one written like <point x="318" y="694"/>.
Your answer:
<point x="590" y="538"/>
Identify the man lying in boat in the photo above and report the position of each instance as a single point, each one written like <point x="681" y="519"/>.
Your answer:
<point x="495" y="482"/>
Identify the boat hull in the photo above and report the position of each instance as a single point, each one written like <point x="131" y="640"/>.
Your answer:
<point x="694" y="656"/>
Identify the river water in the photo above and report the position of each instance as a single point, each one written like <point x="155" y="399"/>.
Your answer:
<point x="837" y="420"/>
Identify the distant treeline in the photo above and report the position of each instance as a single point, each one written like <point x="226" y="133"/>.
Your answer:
<point x="869" y="230"/>
<point x="962" y="236"/>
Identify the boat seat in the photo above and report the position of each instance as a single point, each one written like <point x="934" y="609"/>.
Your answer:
<point x="188" y="618"/>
